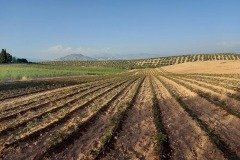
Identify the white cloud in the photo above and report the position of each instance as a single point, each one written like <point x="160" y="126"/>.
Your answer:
<point x="229" y="43"/>
<point x="60" y="49"/>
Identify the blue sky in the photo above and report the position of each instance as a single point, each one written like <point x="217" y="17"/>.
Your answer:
<point x="49" y="29"/>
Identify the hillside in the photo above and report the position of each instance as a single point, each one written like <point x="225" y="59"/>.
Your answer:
<point x="76" y="57"/>
<point x="152" y="62"/>
<point x="164" y="61"/>
<point x="209" y="67"/>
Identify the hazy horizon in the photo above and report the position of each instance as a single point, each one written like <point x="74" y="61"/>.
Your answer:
<point x="53" y="29"/>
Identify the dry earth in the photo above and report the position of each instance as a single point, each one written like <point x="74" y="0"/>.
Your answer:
<point x="211" y="67"/>
<point x="144" y="114"/>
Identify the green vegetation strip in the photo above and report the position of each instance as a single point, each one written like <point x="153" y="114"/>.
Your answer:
<point x="213" y="137"/>
<point x="11" y="72"/>
<point x="161" y="138"/>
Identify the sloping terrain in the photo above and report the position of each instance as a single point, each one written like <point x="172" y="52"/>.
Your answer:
<point x="146" y="63"/>
<point x="209" y="67"/>
<point x="171" y="60"/>
<point x="76" y="57"/>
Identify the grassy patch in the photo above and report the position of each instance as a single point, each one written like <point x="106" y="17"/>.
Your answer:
<point x="24" y="71"/>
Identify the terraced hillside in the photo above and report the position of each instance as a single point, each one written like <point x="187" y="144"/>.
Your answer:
<point x="152" y="62"/>
<point x="165" y="61"/>
<point x="143" y="114"/>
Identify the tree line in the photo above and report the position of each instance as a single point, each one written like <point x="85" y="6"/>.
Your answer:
<point x="8" y="58"/>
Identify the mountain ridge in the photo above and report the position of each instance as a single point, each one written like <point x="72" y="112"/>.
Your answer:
<point x="76" y="57"/>
<point x="81" y="57"/>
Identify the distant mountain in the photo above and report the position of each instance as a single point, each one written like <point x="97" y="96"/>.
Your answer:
<point x="80" y="57"/>
<point x="125" y="56"/>
<point x="76" y="57"/>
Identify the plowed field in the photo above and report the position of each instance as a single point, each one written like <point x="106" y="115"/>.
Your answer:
<point x="144" y="114"/>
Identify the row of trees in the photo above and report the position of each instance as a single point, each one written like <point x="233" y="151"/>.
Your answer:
<point x="8" y="58"/>
<point x="5" y="57"/>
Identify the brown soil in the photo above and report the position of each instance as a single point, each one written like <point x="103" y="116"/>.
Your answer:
<point x="224" y="124"/>
<point x="91" y="138"/>
<point x="231" y="102"/>
<point x="208" y="84"/>
<point x="54" y="106"/>
<point x="226" y="82"/>
<point x="218" y="77"/>
<point x="31" y="149"/>
<point x="136" y="140"/>
<point x="76" y="121"/>
<point x="186" y="138"/>
<point x="216" y="67"/>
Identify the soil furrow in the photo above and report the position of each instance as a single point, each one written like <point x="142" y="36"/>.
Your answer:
<point x="45" y="85"/>
<point x="145" y="113"/>
<point x="136" y="140"/>
<point x="232" y="106"/>
<point x="22" y="121"/>
<point x="89" y="139"/>
<point x="116" y="125"/>
<point x="37" y="98"/>
<point x="186" y="138"/>
<point x="54" y="121"/>
<point x="44" y="104"/>
<point x="218" y="78"/>
<point x="45" y="141"/>
<point x="215" y="88"/>
<point x="230" y="84"/>
<point x="217" y="120"/>
<point x="162" y="139"/>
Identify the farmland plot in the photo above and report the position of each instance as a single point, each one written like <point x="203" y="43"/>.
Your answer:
<point x="144" y="114"/>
